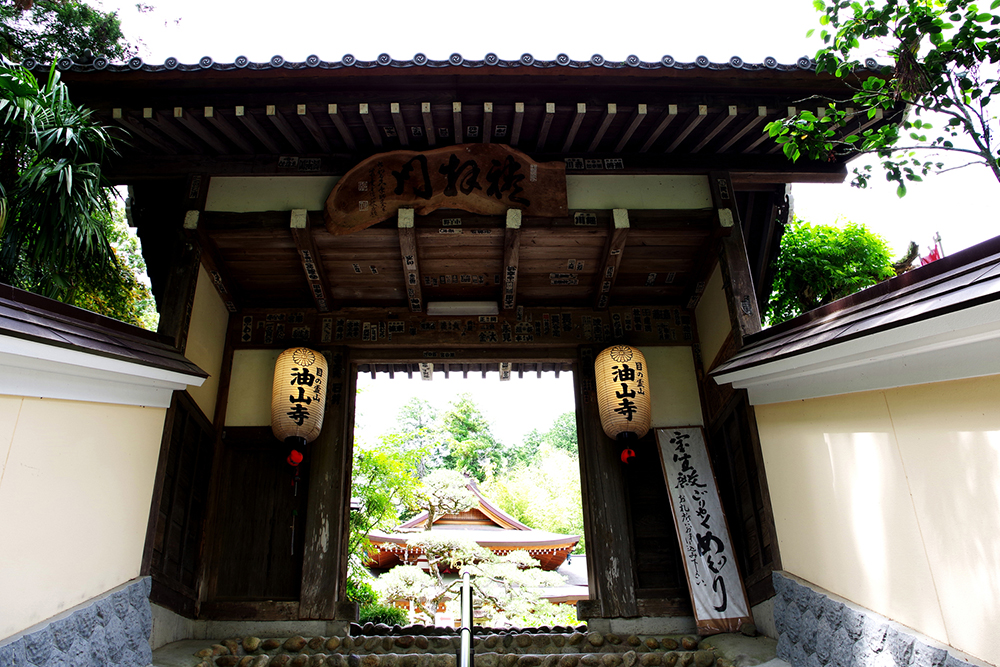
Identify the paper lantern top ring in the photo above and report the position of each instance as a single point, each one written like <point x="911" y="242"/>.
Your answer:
<point x="298" y="395"/>
<point x="623" y="398"/>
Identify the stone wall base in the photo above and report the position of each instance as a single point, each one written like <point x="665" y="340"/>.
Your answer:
<point x="816" y="629"/>
<point x="110" y="630"/>
<point x="646" y="625"/>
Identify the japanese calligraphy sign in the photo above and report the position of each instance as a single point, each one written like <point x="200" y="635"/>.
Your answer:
<point x="622" y="390"/>
<point x="298" y="395"/>
<point x="716" y="587"/>
<point x="479" y="178"/>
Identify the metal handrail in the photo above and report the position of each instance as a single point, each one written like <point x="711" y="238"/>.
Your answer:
<point x="465" y="655"/>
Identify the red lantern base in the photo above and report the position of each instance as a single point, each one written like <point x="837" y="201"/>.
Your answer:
<point x="625" y="439"/>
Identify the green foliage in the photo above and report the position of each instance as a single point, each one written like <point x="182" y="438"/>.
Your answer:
<point x="361" y="591"/>
<point x="818" y="264"/>
<point x="55" y="236"/>
<point x="469" y="445"/>
<point x="946" y="55"/>
<point x="443" y="492"/>
<point x="46" y="30"/>
<point x="561" y="435"/>
<point x="382" y="613"/>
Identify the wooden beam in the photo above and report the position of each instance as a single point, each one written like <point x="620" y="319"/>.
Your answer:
<point x="609" y="117"/>
<point x="610" y="552"/>
<point x="637" y="117"/>
<point x="196" y="128"/>
<point x="719" y="127"/>
<point x="338" y="122"/>
<point x="397" y="122"/>
<point x="666" y="119"/>
<point x="749" y="125"/>
<point x="543" y="132"/>
<point x="313" y="127"/>
<point x="693" y="122"/>
<point x="366" y="118"/>
<point x="278" y="120"/>
<point x="219" y="122"/>
<point x="613" y="250"/>
<point x="168" y="128"/>
<point x="487" y="122"/>
<point x="581" y="111"/>
<point x="515" y="135"/>
<point x="736" y="276"/>
<point x="135" y="127"/>
<point x="408" y="252"/>
<point x="223" y="285"/>
<point x="456" y="115"/>
<point x="511" y="250"/>
<point x="251" y="124"/>
<point x="429" y="131"/>
<point x="312" y="265"/>
<point x="324" y="559"/>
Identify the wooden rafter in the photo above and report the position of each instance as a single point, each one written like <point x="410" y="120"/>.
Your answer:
<point x="278" y="120"/>
<point x="719" y="127"/>
<point x="776" y="147"/>
<point x="366" y="118"/>
<point x="613" y="251"/>
<point x="167" y="128"/>
<point x="307" y="120"/>
<point x="208" y="258"/>
<point x="219" y="122"/>
<point x="136" y="128"/>
<point x="609" y="117"/>
<point x="408" y="253"/>
<point x="666" y="119"/>
<point x="255" y="129"/>
<point x="515" y="134"/>
<point x="511" y="251"/>
<point x="581" y="111"/>
<point x="397" y="122"/>
<point x="487" y="122"/>
<point x="747" y="126"/>
<point x="543" y="132"/>
<point x="338" y="122"/>
<point x="694" y="121"/>
<point x="637" y="117"/>
<point x="196" y="128"/>
<point x="456" y="114"/>
<point x="312" y="265"/>
<point x="429" y="131"/>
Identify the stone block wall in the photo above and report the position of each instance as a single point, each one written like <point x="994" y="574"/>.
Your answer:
<point x="112" y="629"/>
<point x="815" y="630"/>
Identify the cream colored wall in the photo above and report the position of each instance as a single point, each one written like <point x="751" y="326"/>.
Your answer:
<point x="712" y="318"/>
<point x="673" y="387"/>
<point x="75" y="489"/>
<point x="242" y="194"/>
<point x="892" y="500"/>
<point x="206" y="341"/>
<point x="250" y="388"/>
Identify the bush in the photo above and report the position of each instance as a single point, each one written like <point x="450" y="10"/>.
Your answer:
<point x="382" y="613"/>
<point x="361" y="592"/>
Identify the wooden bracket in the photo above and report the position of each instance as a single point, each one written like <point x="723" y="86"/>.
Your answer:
<point x="311" y="263"/>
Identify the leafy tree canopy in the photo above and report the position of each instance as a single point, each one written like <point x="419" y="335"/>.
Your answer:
<point x="443" y="492"/>
<point x="946" y="55"/>
<point x="47" y="30"/>
<point x="818" y="264"/>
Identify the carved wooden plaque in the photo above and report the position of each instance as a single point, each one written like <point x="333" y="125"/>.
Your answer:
<point x="480" y="178"/>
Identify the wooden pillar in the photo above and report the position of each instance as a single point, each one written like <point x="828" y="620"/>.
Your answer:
<point x="736" y="276"/>
<point x="610" y="554"/>
<point x="324" y="560"/>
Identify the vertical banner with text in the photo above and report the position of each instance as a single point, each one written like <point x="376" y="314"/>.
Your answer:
<point x="717" y="593"/>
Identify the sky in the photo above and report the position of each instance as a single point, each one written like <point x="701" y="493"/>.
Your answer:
<point x="960" y="205"/>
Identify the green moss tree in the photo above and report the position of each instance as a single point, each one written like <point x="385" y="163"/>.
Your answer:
<point x="46" y="30"/>
<point x="818" y="264"/>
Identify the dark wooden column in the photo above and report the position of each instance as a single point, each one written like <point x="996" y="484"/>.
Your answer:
<point x="324" y="564"/>
<point x="736" y="277"/>
<point x="610" y="555"/>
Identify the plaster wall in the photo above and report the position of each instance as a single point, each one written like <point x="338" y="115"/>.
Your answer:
<point x="673" y="387"/>
<point x="242" y="194"/>
<point x="75" y="489"/>
<point x="891" y="499"/>
<point x="712" y="318"/>
<point x="207" y="340"/>
<point x="250" y="388"/>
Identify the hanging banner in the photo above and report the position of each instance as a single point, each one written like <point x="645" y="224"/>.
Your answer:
<point x="480" y="178"/>
<point x="717" y="593"/>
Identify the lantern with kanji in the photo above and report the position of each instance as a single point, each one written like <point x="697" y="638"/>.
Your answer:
<point x="623" y="394"/>
<point x="298" y="396"/>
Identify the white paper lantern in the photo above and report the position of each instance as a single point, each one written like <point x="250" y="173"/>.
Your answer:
<point x="298" y="395"/>
<point x="622" y="392"/>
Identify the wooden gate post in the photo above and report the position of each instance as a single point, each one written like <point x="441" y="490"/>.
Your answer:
<point x="324" y="560"/>
<point x="610" y="554"/>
